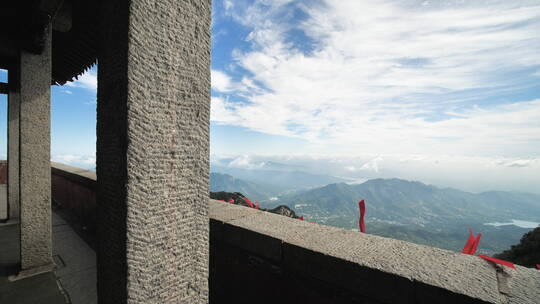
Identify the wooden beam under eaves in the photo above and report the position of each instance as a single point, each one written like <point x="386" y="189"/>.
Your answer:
<point x="4" y="88"/>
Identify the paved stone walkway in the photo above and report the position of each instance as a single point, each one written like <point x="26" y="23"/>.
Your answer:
<point x="74" y="280"/>
<point x="76" y="263"/>
<point x="42" y="288"/>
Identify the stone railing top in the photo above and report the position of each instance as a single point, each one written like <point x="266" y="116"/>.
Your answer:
<point x="78" y="175"/>
<point x="403" y="267"/>
<point x="385" y="269"/>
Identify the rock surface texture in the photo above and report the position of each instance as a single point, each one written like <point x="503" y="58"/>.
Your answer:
<point x="152" y="151"/>
<point x="357" y="267"/>
<point x="34" y="158"/>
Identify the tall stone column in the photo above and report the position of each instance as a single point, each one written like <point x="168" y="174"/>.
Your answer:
<point x="35" y="160"/>
<point x="14" y="105"/>
<point x="153" y="151"/>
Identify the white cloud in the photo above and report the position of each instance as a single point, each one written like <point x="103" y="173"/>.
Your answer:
<point x="469" y="173"/>
<point x="245" y="162"/>
<point x="221" y="82"/>
<point x="67" y="92"/>
<point x="517" y="163"/>
<point x="387" y="78"/>
<point x="372" y="165"/>
<point x="227" y="4"/>
<point x="83" y="161"/>
<point x="219" y="111"/>
<point x="88" y="80"/>
<point x="350" y="168"/>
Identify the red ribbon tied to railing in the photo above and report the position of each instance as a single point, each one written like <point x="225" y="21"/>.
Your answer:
<point x="362" y="207"/>
<point x="231" y="201"/>
<point x="476" y="242"/>
<point x="471" y="246"/>
<point x="248" y="202"/>
<point x="497" y="261"/>
<point x="472" y="243"/>
<point x="301" y="218"/>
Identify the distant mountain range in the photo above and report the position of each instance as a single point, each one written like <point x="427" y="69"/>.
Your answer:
<point x="280" y="180"/>
<point x="228" y="183"/>
<point x="420" y="213"/>
<point x="396" y="208"/>
<point x="414" y="203"/>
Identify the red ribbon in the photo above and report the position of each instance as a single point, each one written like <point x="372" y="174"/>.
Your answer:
<point x="476" y="242"/>
<point x="538" y="266"/>
<point x="301" y="218"/>
<point x="472" y="243"/>
<point x="249" y="202"/>
<point x="469" y="243"/>
<point x="257" y="206"/>
<point x="362" y="206"/>
<point x="497" y="261"/>
<point x="231" y="201"/>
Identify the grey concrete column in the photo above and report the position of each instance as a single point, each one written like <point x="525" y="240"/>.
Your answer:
<point x="14" y="105"/>
<point x="34" y="159"/>
<point x="153" y="151"/>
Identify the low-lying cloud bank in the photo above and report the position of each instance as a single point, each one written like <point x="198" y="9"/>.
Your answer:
<point x="80" y="161"/>
<point x="475" y="174"/>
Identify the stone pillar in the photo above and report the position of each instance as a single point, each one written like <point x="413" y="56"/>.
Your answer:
<point x="35" y="160"/>
<point x="153" y="151"/>
<point x="14" y="106"/>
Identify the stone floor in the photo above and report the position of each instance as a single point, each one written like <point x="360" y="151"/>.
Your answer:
<point x="42" y="288"/>
<point x="76" y="263"/>
<point x="74" y="280"/>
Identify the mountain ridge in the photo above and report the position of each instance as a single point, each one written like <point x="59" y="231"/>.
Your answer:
<point x="285" y="180"/>
<point x="228" y="183"/>
<point x="414" y="211"/>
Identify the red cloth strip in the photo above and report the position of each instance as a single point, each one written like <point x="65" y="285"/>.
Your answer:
<point x="257" y="206"/>
<point x="475" y="245"/>
<point x="231" y="201"/>
<point x="538" y="266"/>
<point x="301" y="218"/>
<point x="248" y="202"/>
<point x="470" y="243"/>
<point x="497" y="261"/>
<point x="362" y="206"/>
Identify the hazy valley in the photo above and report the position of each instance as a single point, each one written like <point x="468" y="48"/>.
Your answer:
<point x="396" y="208"/>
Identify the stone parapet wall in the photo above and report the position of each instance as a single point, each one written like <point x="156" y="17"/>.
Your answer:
<point x="322" y="264"/>
<point x="259" y="257"/>
<point x="74" y="190"/>
<point x="3" y="172"/>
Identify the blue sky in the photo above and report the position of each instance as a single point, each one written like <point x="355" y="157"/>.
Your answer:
<point x="381" y="76"/>
<point x="73" y="121"/>
<point x="346" y="78"/>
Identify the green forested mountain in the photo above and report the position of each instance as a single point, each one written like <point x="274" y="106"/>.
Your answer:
<point x="421" y="213"/>
<point x="527" y="252"/>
